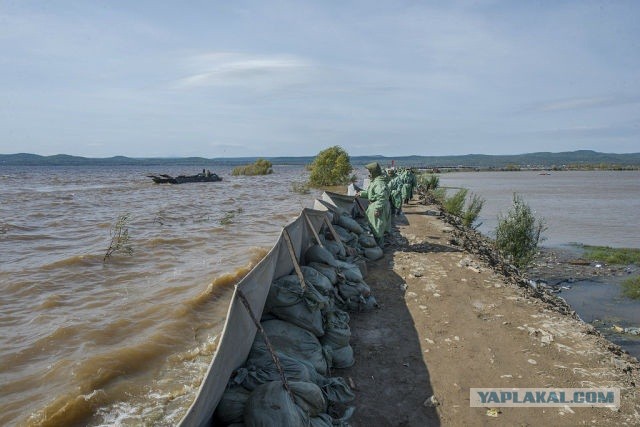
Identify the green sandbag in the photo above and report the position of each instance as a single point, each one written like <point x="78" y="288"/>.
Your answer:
<point x="270" y="405"/>
<point x="337" y="332"/>
<point x="373" y="254"/>
<point x="230" y="409"/>
<point x="318" y="280"/>
<point x="336" y="390"/>
<point x="350" y="271"/>
<point x="342" y="357"/>
<point x="367" y="241"/>
<point x="350" y="224"/>
<point x="293" y="341"/>
<point x="336" y="248"/>
<point x="260" y="369"/>
<point x="345" y="235"/>
<point x="317" y="253"/>
<point x="289" y="301"/>
<point x="326" y="270"/>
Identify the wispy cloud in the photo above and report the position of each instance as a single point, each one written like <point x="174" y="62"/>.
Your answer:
<point x="228" y="69"/>
<point x="584" y="103"/>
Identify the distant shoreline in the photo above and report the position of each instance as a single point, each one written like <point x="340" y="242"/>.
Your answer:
<point x="542" y="161"/>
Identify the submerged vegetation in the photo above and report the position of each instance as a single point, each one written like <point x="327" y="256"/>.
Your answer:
<point x="608" y="255"/>
<point x="519" y="233"/>
<point x="331" y="166"/>
<point x="259" y="167"/>
<point x="119" y="237"/>
<point x="300" y="187"/>
<point x="631" y="287"/>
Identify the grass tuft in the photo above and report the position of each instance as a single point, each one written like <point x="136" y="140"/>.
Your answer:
<point x="631" y="287"/>
<point x="608" y="255"/>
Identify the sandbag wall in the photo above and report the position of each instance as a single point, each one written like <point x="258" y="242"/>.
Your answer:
<point x="307" y="325"/>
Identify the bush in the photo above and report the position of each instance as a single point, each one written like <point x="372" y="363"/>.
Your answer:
<point x="454" y="205"/>
<point x="330" y="167"/>
<point x="260" y="167"/>
<point x="429" y="182"/>
<point x="470" y="215"/>
<point x="518" y="233"/>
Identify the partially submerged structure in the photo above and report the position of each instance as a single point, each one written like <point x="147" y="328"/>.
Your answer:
<point x="182" y="179"/>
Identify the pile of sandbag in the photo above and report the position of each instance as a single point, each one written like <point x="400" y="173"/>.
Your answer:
<point x="355" y="234"/>
<point x="307" y="325"/>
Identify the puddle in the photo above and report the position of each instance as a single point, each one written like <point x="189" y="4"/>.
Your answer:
<point x="602" y="304"/>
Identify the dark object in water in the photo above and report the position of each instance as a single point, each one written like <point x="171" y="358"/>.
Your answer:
<point x="181" y="179"/>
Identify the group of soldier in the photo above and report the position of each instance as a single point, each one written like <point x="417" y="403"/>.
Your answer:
<point x="387" y="191"/>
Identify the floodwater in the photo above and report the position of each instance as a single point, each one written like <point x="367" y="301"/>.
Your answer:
<point x="589" y="207"/>
<point x="124" y="341"/>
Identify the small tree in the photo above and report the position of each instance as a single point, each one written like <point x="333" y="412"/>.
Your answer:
<point x="260" y="167"/>
<point x="518" y="233"/>
<point x="119" y="238"/>
<point x="331" y="166"/>
<point x="470" y="215"/>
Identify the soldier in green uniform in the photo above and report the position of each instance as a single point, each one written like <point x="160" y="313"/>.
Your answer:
<point x="378" y="211"/>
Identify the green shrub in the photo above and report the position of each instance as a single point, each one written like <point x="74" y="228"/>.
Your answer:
<point x="470" y="215"/>
<point x="631" y="287"/>
<point x="331" y="166"/>
<point x="439" y="194"/>
<point x="260" y="167"/>
<point x="428" y="181"/>
<point x="119" y="238"/>
<point x="518" y="233"/>
<point x="454" y="205"/>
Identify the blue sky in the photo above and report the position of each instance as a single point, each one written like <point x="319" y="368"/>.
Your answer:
<point x="290" y="78"/>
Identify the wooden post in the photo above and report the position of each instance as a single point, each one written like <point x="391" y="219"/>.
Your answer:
<point x="313" y="230"/>
<point x="294" y="259"/>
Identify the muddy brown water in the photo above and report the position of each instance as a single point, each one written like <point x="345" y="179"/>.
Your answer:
<point x="87" y="342"/>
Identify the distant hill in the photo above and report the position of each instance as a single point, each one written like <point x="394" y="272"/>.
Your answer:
<point x="542" y="159"/>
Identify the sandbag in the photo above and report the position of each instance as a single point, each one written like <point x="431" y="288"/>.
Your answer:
<point x="336" y="390"/>
<point x="349" y="224"/>
<point x="318" y="280"/>
<point x="350" y="271"/>
<point x="352" y="289"/>
<point x="271" y="405"/>
<point x="367" y="241"/>
<point x="317" y="253"/>
<point x="336" y="248"/>
<point x="260" y="369"/>
<point x="326" y="270"/>
<point x="345" y="235"/>
<point x="289" y="301"/>
<point x="374" y="253"/>
<point x="342" y="357"/>
<point x="293" y="341"/>
<point x="230" y="409"/>
<point x="337" y="331"/>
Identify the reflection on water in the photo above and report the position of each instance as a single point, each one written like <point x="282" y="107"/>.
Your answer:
<point x="84" y="342"/>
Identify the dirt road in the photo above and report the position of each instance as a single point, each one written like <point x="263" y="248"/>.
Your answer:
<point x="448" y="323"/>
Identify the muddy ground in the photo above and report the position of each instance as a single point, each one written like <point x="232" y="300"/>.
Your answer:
<point x="449" y="322"/>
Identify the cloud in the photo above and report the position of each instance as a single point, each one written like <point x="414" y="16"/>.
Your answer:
<point x="584" y="103"/>
<point x="230" y="69"/>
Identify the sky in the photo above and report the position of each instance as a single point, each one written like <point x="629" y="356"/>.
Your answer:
<point x="290" y="78"/>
